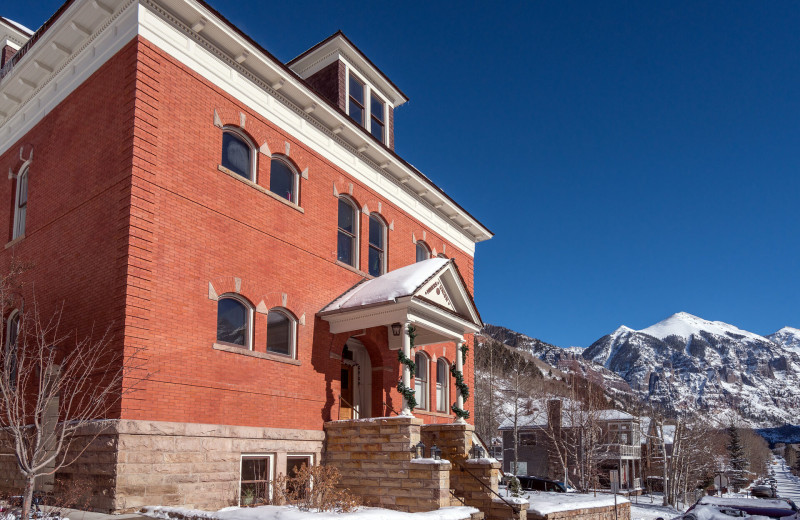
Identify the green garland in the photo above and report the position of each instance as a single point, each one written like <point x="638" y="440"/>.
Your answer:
<point x="404" y="390"/>
<point x="460" y="384"/>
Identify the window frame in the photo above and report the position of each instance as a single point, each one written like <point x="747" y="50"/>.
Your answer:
<point x="383" y="123"/>
<point x="384" y="237"/>
<point x="369" y="91"/>
<point x="270" y="457"/>
<point x="422" y="243"/>
<point x="292" y="333"/>
<point x="295" y="178"/>
<point x="443" y="406"/>
<point x="364" y="103"/>
<point x="7" y="348"/>
<point x="309" y="456"/>
<point x="356" y="231"/>
<point x="422" y="386"/>
<point x="240" y="133"/>
<point x="248" y="317"/>
<point x="18" y="230"/>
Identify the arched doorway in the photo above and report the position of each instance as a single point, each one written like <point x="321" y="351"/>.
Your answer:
<point x="356" y="379"/>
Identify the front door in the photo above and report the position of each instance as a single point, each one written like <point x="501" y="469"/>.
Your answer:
<point x="346" y="404"/>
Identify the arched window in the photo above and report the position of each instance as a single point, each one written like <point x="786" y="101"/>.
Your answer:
<point x="21" y="204"/>
<point x="442" y="384"/>
<point x="421" y="380"/>
<point x="281" y="332"/>
<point x="347" y="240"/>
<point x="237" y="154"/>
<point x="10" y="358"/>
<point x="377" y="245"/>
<point x="423" y="251"/>
<point x="234" y="321"/>
<point x="283" y="179"/>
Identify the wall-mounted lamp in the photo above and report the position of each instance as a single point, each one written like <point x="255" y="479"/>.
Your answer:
<point x="396" y="329"/>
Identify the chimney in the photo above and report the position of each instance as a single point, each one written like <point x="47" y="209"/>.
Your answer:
<point x="6" y="54"/>
<point x="554" y="414"/>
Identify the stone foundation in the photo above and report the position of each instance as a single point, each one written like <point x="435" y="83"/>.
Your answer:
<point x="136" y="463"/>
<point x="623" y="512"/>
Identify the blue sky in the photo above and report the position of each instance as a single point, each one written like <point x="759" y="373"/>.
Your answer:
<point x="634" y="159"/>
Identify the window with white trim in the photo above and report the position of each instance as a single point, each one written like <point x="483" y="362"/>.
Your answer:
<point x="21" y="203"/>
<point x="421" y="380"/>
<point x="255" y="480"/>
<point x="281" y="332"/>
<point x="377" y="245"/>
<point x="366" y="107"/>
<point x="294" y="465"/>
<point x="356" y="102"/>
<point x="442" y="385"/>
<point x="377" y="126"/>
<point x="234" y="321"/>
<point x="283" y="179"/>
<point x="423" y="251"/>
<point x="347" y="237"/>
<point x="238" y="153"/>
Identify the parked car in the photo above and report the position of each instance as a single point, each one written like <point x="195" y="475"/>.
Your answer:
<point x="541" y="484"/>
<point x="764" y="491"/>
<point x="711" y="507"/>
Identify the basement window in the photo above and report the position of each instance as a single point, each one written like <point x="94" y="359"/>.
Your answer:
<point x="254" y="487"/>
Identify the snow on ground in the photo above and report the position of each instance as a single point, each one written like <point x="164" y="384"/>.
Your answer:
<point x="545" y="503"/>
<point x="292" y="513"/>
<point x="788" y="485"/>
<point x="646" y="509"/>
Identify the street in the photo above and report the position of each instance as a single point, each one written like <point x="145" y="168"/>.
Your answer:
<point x="788" y="484"/>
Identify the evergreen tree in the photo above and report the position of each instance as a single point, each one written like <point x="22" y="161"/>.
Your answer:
<point x="738" y="459"/>
<point x="514" y="487"/>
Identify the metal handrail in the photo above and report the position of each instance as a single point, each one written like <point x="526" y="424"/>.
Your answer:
<point x="387" y="405"/>
<point x="355" y="412"/>
<point x="514" y="507"/>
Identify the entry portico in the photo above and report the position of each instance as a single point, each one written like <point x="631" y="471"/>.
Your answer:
<point x="430" y="295"/>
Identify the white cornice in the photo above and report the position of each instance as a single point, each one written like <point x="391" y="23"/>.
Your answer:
<point x="339" y="46"/>
<point x="254" y="78"/>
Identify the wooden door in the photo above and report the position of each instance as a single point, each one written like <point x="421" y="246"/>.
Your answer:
<point x="346" y="400"/>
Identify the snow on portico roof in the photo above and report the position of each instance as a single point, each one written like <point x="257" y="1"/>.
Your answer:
<point x="388" y="287"/>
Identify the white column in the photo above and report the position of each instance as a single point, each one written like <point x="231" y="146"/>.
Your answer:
<point x="406" y="372"/>
<point x="460" y="368"/>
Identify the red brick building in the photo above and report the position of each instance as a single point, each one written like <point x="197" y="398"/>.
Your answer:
<point x="239" y="219"/>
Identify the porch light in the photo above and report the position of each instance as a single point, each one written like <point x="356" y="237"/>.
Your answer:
<point x="418" y="450"/>
<point x="436" y="453"/>
<point x="396" y="329"/>
<point x="476" y="452"/>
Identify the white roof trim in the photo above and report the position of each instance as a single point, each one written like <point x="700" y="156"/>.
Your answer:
<point x="337" y="47"/>
<point x="219" y="45"/>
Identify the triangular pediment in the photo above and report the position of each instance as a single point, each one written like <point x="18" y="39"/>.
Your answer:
<point x="446" y="289"/>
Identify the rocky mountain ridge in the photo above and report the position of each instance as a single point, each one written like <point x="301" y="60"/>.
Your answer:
<point x="685" y="363"/>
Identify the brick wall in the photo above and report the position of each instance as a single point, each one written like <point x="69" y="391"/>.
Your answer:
<point x="328" y="83"/>
<point x="203" y="226"/>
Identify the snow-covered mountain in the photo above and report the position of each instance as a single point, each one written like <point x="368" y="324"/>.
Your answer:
<point x="567" y="360"/>
<point x="788" y="338"/>
<point x="686" y="363"/>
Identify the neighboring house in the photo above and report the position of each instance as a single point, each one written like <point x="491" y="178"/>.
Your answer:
<point x="655" y="440"/>
<point x="614" y="445"/>
<point x="791" y="453"/>
<point x="244" y="224"/>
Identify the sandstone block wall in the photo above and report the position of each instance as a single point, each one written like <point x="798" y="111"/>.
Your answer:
<point x="623" y="512"/>
<point x="376" y="462"/>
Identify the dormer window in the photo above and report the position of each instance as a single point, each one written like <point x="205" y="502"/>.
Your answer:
<point x="366" y="108"/>
<point x="376" y="119"/>
<point x="356" y="105"/>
